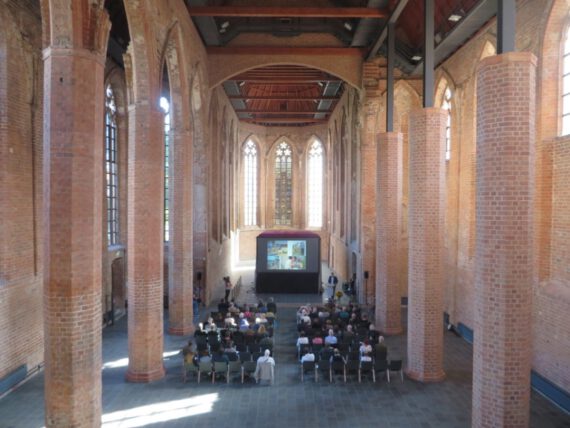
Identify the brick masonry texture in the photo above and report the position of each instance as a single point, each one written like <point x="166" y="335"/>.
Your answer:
<point x="504" y="250"/>
<point x="426" y="218"/>
<point x="388" y="208"/>
<point x="73" y="181"/>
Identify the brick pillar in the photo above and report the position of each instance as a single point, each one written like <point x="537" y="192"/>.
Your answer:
<point x="504" y="244"/>
<point x="145" y="242"/>
<point x="425" y="222"/>
<point x="73" y="180"/>
<point x="388" y="212"/>
<point x="180" y="254"/>
<point x="368" y="198"/>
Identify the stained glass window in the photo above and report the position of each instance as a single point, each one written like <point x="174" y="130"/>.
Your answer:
<point x="283" y="185"/>
<point x="315" y="185"/>
<point x="111" y="167"/>
<point x="250" y="183"/>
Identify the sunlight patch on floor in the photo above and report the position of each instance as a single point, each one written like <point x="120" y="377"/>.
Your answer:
<point x="124" y="362"/>
<point x="160" y="412"/>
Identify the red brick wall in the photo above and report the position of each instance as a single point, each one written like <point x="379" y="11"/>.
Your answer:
<point x="21" y="259"/>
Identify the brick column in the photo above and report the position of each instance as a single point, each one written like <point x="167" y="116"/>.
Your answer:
<point x="73" y="180"/>
<point x="504" y="244"/>
<point x="180" y="254"/>
<point x="425" y="222"/>
<point x="368" y="199"/>
<point x="388" y="212"/>
<point x="145" y="242"/>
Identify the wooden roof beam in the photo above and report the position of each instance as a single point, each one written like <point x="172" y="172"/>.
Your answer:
<point x="284" y="50"/>
<point x="291" y="120"/>
<point x="288" y="12"/>
<point x="281" y="97"/>
<point x="284" y="113"/>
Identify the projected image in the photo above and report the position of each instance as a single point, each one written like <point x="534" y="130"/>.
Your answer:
<point x="286" y="255"/>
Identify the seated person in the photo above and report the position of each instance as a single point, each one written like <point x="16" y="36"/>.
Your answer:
<point x="302" y="340"/>
<point x="366" y="358"/>
<point x="261" y="332"/>
<point x="243" y="322"/>
<point x="271" y="306"/>
<point x="230" y="322"/>
<point x="266" y="342"/>
<point x="220" y="357"/>
<point x="365" y="348"/>
<point x="380" y="350"/>
<point x="204" y="357"/>
<point x="200" y="330"/>
<point x="265" y="367"/>
<point x="307" y="356"/>
<point x="337" y="357"/>
<point x="233" y="309"/>
<point x="331" y="338"/>
<point x="318" y="340"/>
<point x="373" y="334"/>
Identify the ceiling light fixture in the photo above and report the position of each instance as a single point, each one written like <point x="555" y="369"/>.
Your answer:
<point x="454" y="17"/>
<point x="225" y="24"/>
<point x="348" y="26"/>
<point x="416" y="58"/>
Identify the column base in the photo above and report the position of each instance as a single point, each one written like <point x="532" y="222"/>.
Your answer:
<point x="145" y="377"/>
<point x="181" y="331"/>
<point x="425" y="377"/>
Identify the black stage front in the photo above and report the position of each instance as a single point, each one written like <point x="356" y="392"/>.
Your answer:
<point x="288" y="262"/>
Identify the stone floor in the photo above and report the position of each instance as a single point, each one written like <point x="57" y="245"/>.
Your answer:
<point x="289" y="403"/>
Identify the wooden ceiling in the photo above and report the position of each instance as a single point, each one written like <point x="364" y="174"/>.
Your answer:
<point x="284" y="95"/>
<point x="294" y="95"/>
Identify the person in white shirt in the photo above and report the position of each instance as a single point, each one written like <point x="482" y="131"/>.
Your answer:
<point x="331" y="338"/>
<point x="308" y="356"/>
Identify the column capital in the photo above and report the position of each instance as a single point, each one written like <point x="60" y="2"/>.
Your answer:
<point x="55" y="52"/>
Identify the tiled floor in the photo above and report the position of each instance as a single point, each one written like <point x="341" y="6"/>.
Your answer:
<point x="289" y="403"/>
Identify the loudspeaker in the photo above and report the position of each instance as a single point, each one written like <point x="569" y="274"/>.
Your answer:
<point x="199" y="276"/>
<point x="366" y="274"/>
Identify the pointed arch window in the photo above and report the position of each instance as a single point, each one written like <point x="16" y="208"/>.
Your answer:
<point x="250" y="183"/>
<point x="566" y="83"/>
<point x="283" y="185"/>
<point x="447" y="95"/>
<point x="111" y="167"/>
<point x="165" y="106"/>
<point x="315" y="185"/>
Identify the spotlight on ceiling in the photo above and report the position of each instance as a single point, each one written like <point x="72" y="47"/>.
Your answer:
<point x="242" y="83"/>
<point x="416" y="58"/>
<point x="225" y="24"/>
<point x="454" y="17"/>
<point x="348" y="26"/>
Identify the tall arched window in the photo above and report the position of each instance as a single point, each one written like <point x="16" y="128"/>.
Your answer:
<point x="165" y="106"/>
<point x="111" y="167"/>
<point x="446" y="104"/>
<point x="566" y="84"/>
<point x="315" y="185"/>
<point x="283" y="185"/>
<point x="250" y="183"/>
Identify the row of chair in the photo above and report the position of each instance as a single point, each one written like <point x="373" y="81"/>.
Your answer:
<point x="243" y="369"/>
<point x="352" y="366"/>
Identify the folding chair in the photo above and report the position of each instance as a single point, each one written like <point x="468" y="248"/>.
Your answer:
<point x="248" y="368"/>
<point x="352" y="367"/>
<point x="205" y="367"/>
<point x="366" y="367"/>
<point x="324" y="367"/>
<point x="307" y="366"/>
<point x="220" y="368"/>
<point x="395" y="366"/>
<point x="234" y="367"/>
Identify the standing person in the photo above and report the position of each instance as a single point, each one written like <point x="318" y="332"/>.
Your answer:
<point x="331" y="285"/>
<point x="265" y="368"/>
<point x="228" y="285"/>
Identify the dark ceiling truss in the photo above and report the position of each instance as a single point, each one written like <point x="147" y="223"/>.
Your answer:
<point x="359" y="26"/>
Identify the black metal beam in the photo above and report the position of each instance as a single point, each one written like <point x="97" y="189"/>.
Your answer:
<point x="390" y="78"/>
<point x="428" y="95"/>
<point x="392" y="20"/>
<point x="506" y="23"/>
